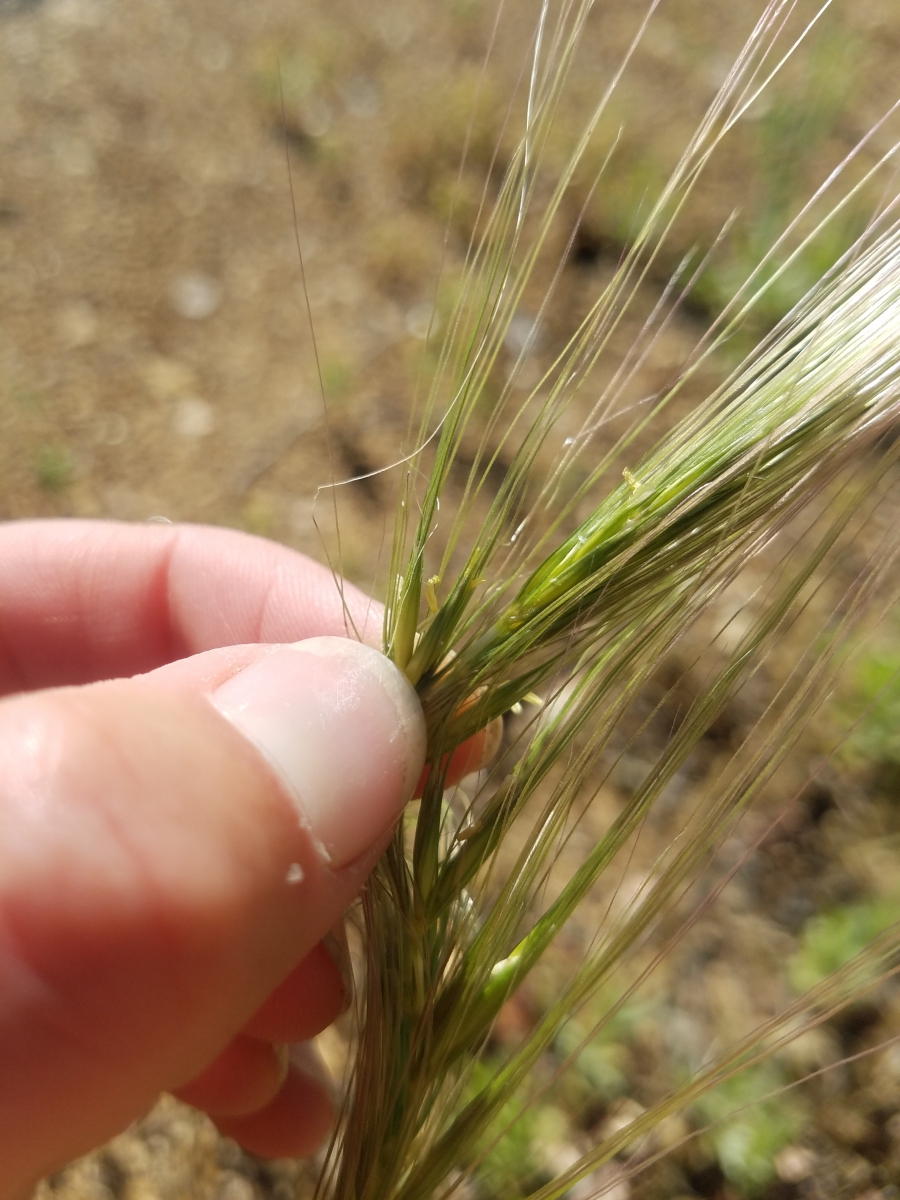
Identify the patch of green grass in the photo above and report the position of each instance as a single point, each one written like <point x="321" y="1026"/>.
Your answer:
<point x="781" y="152"/>
<point x="801" y="116"/>
<point x="338" y="377"/>
<point x="513" y="1161"/>
<point x="752" y="1125"/>
<point x="300" y="88"/>
<point x="603" y="1064"/>
<point x="461" y="122"/>
<point x="25" y="397"/>
<point x="874" y="692"/>
<point x="293" y="75"/>
<point x="53" y="467"/>
<point x="259" y="514"/>
<point x="831" y="939"/>
<point x="520" y="1144"/>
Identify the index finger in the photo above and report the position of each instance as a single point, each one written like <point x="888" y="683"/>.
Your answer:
<point x="82" y="601"/>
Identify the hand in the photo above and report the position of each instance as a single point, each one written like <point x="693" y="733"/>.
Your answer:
<point x="177" y="839"/>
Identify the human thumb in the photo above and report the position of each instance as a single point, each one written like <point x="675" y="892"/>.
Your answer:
<point x="172" y="846"/>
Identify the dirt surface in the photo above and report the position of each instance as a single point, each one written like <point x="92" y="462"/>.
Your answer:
<point x="159" y="164"/>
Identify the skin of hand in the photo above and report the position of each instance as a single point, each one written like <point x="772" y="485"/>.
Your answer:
<point x="198" y="770"/>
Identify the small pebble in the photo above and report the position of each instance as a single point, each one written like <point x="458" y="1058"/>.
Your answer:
<point x="194" y="418"/>
<point x="195" y="296"/>
<point x="793" y="1164"/>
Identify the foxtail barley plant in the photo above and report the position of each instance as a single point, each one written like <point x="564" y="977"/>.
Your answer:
<point x="570" y="562"/>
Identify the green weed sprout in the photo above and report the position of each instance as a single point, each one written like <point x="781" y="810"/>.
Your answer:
<point x="514" y="591"/>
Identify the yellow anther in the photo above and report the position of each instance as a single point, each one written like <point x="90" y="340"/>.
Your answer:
<point x="430" y="594"/>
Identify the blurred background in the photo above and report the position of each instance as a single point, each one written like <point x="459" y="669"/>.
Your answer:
<point x="160" y="164"/>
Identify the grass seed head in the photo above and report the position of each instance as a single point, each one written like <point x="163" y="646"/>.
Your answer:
<point x="541" y="591"/>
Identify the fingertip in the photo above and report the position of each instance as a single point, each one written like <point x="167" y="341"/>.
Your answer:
<point x="344" y="731"/>
<point x="312" y="996"/>
<point x="244" y="1078"/>
<point x="476" y="753"/>
<point x="293" y="1125"/>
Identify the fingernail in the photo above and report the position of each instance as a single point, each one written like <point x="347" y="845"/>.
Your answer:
<point x="344" y="730"/>
<point x="335" y="942"/>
